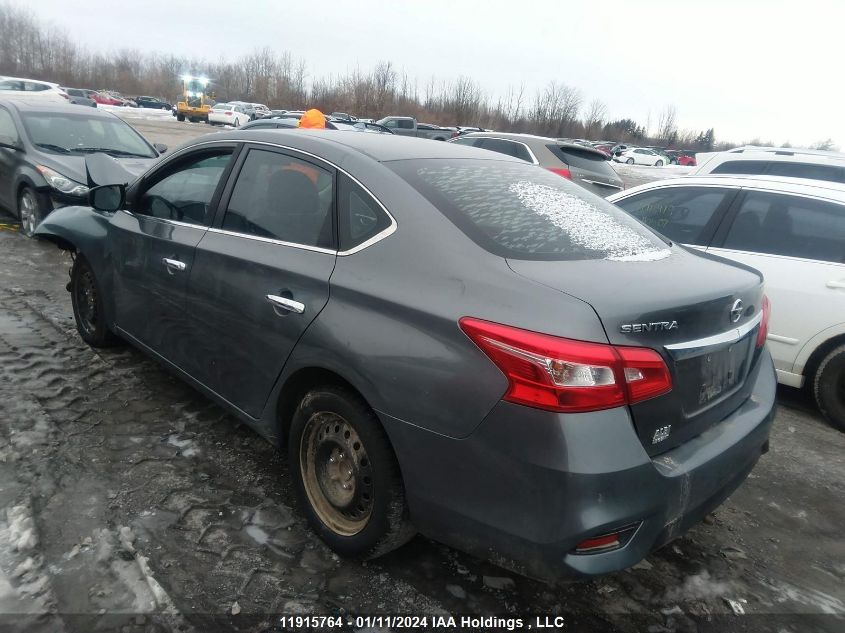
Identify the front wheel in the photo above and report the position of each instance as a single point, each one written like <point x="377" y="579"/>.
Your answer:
<point x="630" y="161"/>
<point x="88" y="310"/>
<point x="346" y="475"/>
<point x="180" y="117"/>
<point x="29" y="211"/>
<point x="829" y="387"/>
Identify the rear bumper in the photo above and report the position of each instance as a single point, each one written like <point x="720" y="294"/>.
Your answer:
<point x="527" y="486"/>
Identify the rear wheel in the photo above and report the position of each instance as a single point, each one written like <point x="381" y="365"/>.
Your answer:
<point x="630" y="161"/>
<point x="829" y="387"/>
<point x="346" y="474"/>
<point x="29" y="211"/>
<point x="87" y="301"/>
<point x="180" y="117"/>
<point x="659" y="163"/>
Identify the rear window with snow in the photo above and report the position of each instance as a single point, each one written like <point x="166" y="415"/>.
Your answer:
<point x="526" y="212"/>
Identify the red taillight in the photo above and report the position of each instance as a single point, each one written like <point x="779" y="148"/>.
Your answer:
<point x="560" y="172"/>
<point x="763" y="332"/>
<point x="608" y="541"/>
<point x="559" y="374"/>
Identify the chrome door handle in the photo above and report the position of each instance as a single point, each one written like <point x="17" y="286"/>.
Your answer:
<point x="173" y="265"/>
<point x="283" y="303"/>
<point x="835" y="284"/>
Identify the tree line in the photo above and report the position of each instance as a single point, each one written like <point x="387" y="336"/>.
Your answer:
<point x="29" y="48"/>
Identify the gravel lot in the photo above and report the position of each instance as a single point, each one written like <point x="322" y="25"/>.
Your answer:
<point x="124" y="492"/>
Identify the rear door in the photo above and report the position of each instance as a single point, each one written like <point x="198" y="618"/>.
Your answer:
<point x="798" y="243"/>
<point x="261" y="274"/>
<point x="154" y="241"/>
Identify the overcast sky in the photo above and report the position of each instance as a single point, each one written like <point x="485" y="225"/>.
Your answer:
<point x="749" y="68"/>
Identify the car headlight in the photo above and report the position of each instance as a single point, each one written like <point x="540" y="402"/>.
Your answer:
<point x="62" y="183"/>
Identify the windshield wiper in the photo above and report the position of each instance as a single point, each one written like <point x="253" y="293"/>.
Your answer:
<point x="109" y="151"/>
<point x="55" y="148"/>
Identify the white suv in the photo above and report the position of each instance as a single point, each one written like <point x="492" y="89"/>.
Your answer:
<point x="793" y="231"/>
<point x="32" y="90"/>
<point x="774" y="161"/>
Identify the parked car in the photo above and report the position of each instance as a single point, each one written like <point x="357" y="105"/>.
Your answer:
<point x="343" y="116"/>
<point x="408" y="126"/>
<point x="640" y="156"/>
<point x="103" y="98"/>
<point x="793" y="232"/>
<point x="228" y="114"/>
<point x="687" y="159"/>
<point x="77" y="96"/>
<point x="260" y="110"/>
<point x="359" y="126"/>
<point x="583" y="165"/>
<point x="43" y="149"/>
<point x="153" y="103"/>
<point x="774" y="161"/>
<point x="604" y="148"/>
<point x="367" y="303"/>
<point x="31" y="90"/>
<point x="271" y="123"/>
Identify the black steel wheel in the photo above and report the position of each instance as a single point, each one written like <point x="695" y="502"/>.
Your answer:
<point x="346" y="474"/>
<point x="829" y="387"/>
<point x="87" y="301"/>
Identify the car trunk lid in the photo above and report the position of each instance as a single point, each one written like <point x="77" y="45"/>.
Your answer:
<point x="700" y="314"/>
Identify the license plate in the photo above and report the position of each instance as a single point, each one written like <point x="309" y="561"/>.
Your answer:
<point x="721" y="371"/>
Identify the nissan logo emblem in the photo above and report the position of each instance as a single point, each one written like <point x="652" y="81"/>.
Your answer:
<point x="736" y="311"/>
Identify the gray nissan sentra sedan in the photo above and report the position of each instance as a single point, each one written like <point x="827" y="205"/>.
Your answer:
<point x="445" y="340"/>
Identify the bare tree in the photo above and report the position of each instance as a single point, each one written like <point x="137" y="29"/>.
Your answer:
<point x="594" y="118"/>
<point x="667" y="126"/>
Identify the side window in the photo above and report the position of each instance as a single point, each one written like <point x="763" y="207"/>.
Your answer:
<point x="789" y="225"/>
<point x="359" y="216"/>
<point x="807" y="170"/>
<point x="406" y="124"/>
<point x="466" y="141"/>
<point x="185" y="194"/>
<point x="509" y="148"/>
<point x="391" y="123"/>
<point x="7" y="126"/>
<point x="742" y="167"/>
<point x="680" y="213"/>
<point x="283" y="198"/>
<point x="10" y="84"/>
<point x="31" y="86"/>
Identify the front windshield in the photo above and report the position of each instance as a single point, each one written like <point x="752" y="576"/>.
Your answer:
<point x="79" y="134"/>
<point x="222" y="106"/>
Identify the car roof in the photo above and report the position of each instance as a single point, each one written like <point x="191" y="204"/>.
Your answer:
<point x="786" y="151"/>
<point x="524" y="138"/>
<point x="379" y="147"/>
<point x="780" y="184"/>
<point x="24" y="105"/>
<point x="38" y="81"/>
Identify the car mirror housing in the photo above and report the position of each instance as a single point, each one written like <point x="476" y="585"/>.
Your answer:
<point x="107" y="198"/>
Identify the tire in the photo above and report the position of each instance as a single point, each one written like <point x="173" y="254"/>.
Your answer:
<point x="630" y="161"/>
<point x="87" y="301"/>
<point x="829" y="387"/>
<point x="30" y="212"/>
<point x="180" y="117"/>
<point x="237" y="123"/>
<point x="353" y="498"/>
<point x="659" y="163"/>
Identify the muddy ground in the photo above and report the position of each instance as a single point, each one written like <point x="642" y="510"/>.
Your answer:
<point x="130" y="502"/>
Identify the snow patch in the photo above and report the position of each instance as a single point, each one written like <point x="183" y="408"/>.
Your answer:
<point x="187" y="447"/>
<point x="698" y="587"/>
<point x="587" y="225"/>
<point x="257" y="534"/>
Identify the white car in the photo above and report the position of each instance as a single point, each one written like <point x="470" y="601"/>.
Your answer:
<point x="774" y="161"/>
<point x="791" y="230"/>
<point x="228" y="114"/>
<point x="31" y="90"/>
<point x="640" y="156"/>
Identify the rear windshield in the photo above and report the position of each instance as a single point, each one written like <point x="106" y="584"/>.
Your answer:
<point x="583" y="159"/>
<point x="526" y="212"/>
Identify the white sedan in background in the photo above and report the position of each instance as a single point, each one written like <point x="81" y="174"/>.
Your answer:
<point x="228" y="114"/>
<point x="31" y="90"/>
<point x="793" y="231"/>
<point x="640" y="156"/>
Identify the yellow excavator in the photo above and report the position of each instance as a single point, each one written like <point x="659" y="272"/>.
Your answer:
<point x="196" y="100"/>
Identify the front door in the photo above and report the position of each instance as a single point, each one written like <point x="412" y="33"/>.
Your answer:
<point x="261" y="275"/>
<point x="153" y="248"/>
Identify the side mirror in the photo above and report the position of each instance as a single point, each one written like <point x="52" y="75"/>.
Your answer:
<point x="107" y="198"/>
<point x="160" y="147"/>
